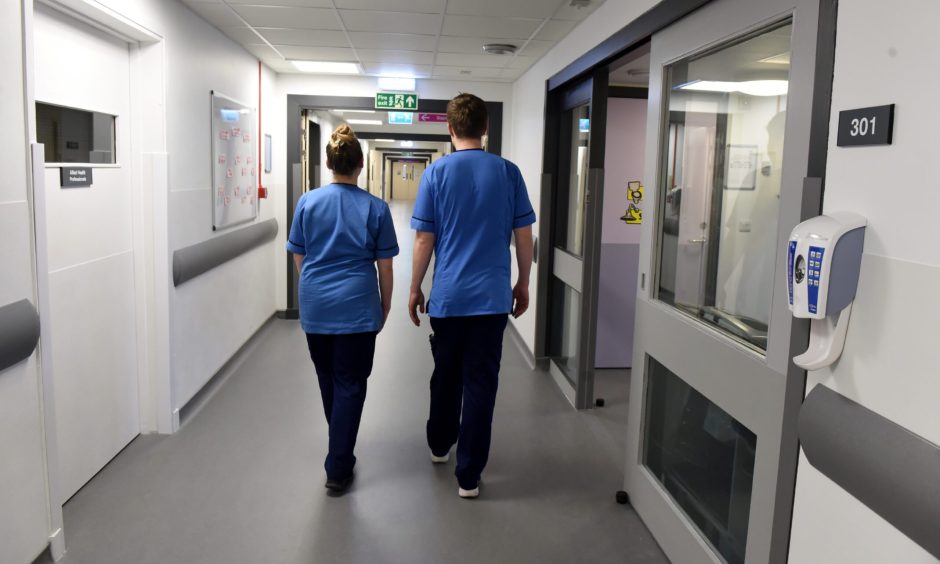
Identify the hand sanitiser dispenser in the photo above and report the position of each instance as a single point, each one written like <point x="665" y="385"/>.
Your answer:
<point x="823" y="262"/>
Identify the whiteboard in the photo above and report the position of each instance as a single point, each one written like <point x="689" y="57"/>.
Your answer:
<point x="234" y="163"/>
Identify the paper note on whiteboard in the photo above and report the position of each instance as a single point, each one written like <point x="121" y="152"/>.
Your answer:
<point x="234" y="185"/>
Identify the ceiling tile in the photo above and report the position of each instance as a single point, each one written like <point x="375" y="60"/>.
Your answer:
<point x="569" y="12"/>
<point x="280" y="65"/>
<point x="398" y="41"/>
<point x="511" y="74"/>
<point x="473" y="26"/>
<point x="391" y="56"/>
<point x="536" y="48"/>
<point x="466" y="60"/>
<point x="555" y="30"/>
<point x="389" y="69"/>
<point x="520" y="62"/>
<point x="456" y="72"/>
<point x="278" y="16"/>
<point x="314" y="38"/>
<point x="317" y="53"/>
<point x="535" y="9"/>
<point x="216" y="14"/>
<point x="243" y="35"/>
<point x="450" y="44"/>
<point x="418" y="6"/>
<point x="292" y="3"/>
<point x="391" y="22"/>
<point x="262" y="51"/>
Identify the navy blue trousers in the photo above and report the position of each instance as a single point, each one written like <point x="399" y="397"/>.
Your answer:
<point x="467" y="352"/>
<point x="343" y="364"/>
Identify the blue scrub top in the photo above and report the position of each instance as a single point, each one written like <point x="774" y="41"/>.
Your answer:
<point x="341" y="230"/>
<point x="471" y="200"/>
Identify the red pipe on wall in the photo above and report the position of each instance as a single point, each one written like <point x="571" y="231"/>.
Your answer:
<point x="262" y="191"/>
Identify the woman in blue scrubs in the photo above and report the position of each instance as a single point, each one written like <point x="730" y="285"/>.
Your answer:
<point x="339" y="234"/>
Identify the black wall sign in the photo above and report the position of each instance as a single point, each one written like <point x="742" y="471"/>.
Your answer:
<point x="866" y="126"/>
<point x="75" y="177"/>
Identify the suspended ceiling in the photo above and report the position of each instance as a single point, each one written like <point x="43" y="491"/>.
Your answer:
<point x="421" y="38"/>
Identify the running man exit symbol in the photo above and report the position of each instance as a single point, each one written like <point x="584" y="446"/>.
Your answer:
<point x="396" y="101"/>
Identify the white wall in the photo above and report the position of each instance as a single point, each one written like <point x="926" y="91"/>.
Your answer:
<point x="24" y="503"/>
<point x="528" y="120"/>
<point x="357" y="86"/>
<point x="891" y="355"/>
<point x="213" y="315"/>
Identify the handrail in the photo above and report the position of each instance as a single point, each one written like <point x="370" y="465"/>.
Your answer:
<point x="885" y="466"/>
<point x="189" y="262"/>
<point x="19" y="332"/>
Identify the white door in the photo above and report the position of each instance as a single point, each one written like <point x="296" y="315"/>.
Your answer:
<point x="89" y="232"/>
<point x="711" y="455"/>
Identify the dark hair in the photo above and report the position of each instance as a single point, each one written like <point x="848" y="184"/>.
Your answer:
<point x="343" y="152"/>
<point x="466" y="115"/>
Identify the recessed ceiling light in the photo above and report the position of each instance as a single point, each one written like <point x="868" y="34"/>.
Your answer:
<point x="385" y="140"/>
<point x="749" y="87"/>
<point x="498" y="49"/>
<point x="326" y="67"/>
<point x="407" y="143"/>
<point x="364" y="121"/>
<point x="355" y="111"/>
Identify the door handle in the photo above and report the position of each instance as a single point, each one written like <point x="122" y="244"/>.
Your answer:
<point x="699" y="240"/>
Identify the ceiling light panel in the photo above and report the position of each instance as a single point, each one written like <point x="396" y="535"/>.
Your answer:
<point x="400" y="84"/>
<point x="285" y="16"/>
<point x="364" y="121"/>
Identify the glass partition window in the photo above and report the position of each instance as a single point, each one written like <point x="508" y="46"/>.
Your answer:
<point x="71" y="135"/>
<point x="565" y="331"/>
<point x="703" y="457"/>
<point x="721" y="162"/>
<point x="572" y="226"/>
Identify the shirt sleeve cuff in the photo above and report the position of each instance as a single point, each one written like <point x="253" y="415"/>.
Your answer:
<point x="296" y="249"/>
<point x="421" y="225"/>
<point x="523" y="220"/>
<point x="386" y="253"/>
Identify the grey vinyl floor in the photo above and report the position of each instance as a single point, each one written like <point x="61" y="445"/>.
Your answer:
<point x="242" y="481"/>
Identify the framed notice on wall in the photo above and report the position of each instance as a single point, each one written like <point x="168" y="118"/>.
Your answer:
<point x="234" y="163"/>
<point x="741" y="173"/>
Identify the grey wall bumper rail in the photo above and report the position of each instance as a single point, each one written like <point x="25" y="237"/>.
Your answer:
<point x="190" y="262"/>
<point x="888" y="468"/>
<point x="19" y="332"/>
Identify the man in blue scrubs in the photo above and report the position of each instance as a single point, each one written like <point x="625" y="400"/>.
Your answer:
<point x="470" y="204"/>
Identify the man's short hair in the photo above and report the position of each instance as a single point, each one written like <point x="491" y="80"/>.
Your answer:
<point x="466" y="115"/>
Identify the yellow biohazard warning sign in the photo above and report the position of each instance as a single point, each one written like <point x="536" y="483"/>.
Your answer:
<point x="634" y="215"/>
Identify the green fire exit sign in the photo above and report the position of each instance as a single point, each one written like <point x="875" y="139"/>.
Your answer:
<point x="395" y="101"/>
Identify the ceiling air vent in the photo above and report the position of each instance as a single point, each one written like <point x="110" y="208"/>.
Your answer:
<point x="498" y="49"/>
<point x="580" y="3"/>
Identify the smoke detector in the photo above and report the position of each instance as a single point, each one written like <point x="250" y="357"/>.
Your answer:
<point x="498" y="49"/>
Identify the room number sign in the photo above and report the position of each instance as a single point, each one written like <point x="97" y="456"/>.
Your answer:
<point x="866" y="126"/>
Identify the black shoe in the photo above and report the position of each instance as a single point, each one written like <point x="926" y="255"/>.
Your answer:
<point x="339" y="486"/>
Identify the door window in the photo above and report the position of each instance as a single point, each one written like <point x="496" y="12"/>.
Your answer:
<point x="721" y="182"/>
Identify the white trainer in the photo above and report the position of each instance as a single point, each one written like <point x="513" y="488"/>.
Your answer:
<point x="440" y="459"/>
<point x="468" y="494"/>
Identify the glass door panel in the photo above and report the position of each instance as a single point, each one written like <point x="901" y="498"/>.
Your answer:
<point x="568" y="268"/>
<point x="721" y="182"/>
<point x="711" y="456"/>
